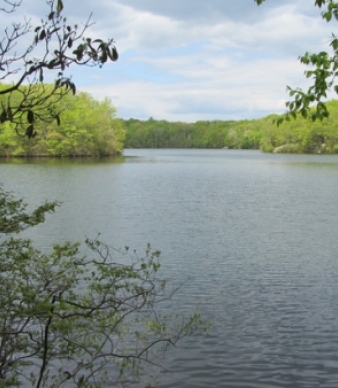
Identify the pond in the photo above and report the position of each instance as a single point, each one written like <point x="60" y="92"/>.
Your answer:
<point x="255" y="235"/>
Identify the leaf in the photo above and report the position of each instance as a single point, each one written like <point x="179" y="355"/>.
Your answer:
<point x="42" y="35"/>
<point x="30" y="117"/>
<point x="113" y="54"/>
<point x="30" y="131"/>
<point x="103" y="57"/>
<point x="73" y="87"/>
<point x="57" y="118"/>
<point x="79" y="51"/>
<point x="51" y="64"/>
<point x="327" y="16"/>
<point x="280" y="121"/>
<point x="3" y="116"/>
<point x="78" y="54"/>
<point x="59" y="7"/>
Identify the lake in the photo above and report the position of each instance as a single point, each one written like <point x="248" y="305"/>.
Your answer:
<point x="255" y="235"/>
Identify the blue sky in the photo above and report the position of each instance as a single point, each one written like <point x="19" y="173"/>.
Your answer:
<point x="189" y="60"/>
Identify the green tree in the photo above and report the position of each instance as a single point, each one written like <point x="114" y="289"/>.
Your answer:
<point x="323" y="72"/>
<point x="66" y="318"/>
<point x="56" y="46"/>
<point x="202" y="134"/>
<point x="88" y="127"/>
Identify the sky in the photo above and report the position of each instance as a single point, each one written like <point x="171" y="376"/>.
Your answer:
<point x="190" y="60"/>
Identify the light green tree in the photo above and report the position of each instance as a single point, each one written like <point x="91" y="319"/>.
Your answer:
<point x="88" y="127"/>
<point x="69" y="320"/>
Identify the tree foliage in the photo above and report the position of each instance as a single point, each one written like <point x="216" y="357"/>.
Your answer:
<point x="202" y="134"/>
<point x="72" y="320"/>
<point x="55" y="45"/>
<point x="323" y="73"/>
<point x="300" y="135"/>
<point x="88" y="127"/>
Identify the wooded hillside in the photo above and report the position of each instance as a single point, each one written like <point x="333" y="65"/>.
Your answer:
<point x="300" y="135"/>
<point x="89" y="127"/>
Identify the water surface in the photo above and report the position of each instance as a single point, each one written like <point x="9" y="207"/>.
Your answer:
<point x="256" y="234"/>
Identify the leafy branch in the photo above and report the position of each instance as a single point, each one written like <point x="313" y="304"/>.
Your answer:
<point x="55" y="46"/>
<point x="64" y="317"/>
<point x="323" y="73"/>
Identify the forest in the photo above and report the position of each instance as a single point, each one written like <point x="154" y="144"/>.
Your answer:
<point x="299" y="135"/>
<point x="88" y="127"/>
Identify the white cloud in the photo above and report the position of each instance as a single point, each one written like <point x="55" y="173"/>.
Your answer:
<point x="221" y="89"/>
<point x="224" y="59"/>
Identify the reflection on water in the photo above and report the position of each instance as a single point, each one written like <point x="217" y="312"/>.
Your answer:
<point x="256" y="234"/>
<point x="62" y="161"/>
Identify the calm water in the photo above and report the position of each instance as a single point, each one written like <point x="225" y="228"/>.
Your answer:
<point x="256" y="235"/>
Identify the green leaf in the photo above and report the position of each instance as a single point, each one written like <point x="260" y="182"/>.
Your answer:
<point x="114" y="54"/>
<point x="30" y="132"/>
<point x="327" y="16"/>
<point x="57" y="118"/>
<point x="30" y="117"/>
<point x="280" y="121"/>
<point x="72" y="87"/>
<point x="3" y="116"/>
<point x="103" y="57"/>
<point x="42" y="35"/>
<point x="59" y="7"/>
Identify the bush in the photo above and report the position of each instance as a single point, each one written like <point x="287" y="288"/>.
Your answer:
<point x="65" y="317"/>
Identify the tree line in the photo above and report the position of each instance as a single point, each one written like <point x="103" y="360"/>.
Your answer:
<point x="300" y="135"/>
<point x="202" y="134"/>
<point x="89" y="127"/>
